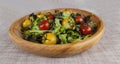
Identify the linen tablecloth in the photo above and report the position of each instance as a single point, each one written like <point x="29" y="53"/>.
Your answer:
<point x="106" y="51"/>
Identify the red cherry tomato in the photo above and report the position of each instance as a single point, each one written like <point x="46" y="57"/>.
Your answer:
<point x="45" y="25"/>
<point x="79" y="19"/>
<point x="85" y="29"/>
<point x="50" y="16"/>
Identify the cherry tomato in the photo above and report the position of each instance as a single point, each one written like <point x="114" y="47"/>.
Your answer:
<point x="49" y="38"/>
<point x="79" y="19"/>
<point x="40" y="15"/>
<point x="45" y="25"/>
<point x="26" y="23"/>
<point x="50" y="16"/>
<point x="65" y="21"/>
<point x="85" y="29"/>
<point x="67" y="11"/>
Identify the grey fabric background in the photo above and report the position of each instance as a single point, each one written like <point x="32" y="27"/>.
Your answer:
<point x="106" y="51"/>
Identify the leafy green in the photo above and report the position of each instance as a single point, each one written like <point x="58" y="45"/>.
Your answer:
<point x="73" y="36"/>
<point x="65" y="14"/>
<point x="64" y="35"/>
<point x="93" y="25"/>
<point x="71" y="20"/>
<point x="67" y="26"/>
<point x="57" y="22"/>
<point x="57" y="27"/>
<point x="87" y="19"/>
<point x="86" y="36"/>
<point x="62" y="30"/>
<point x="73" y="15"/>
<point x="70" y="36"/>
<point x="58" y="15"/>
<point x="32" y="18"/>
<point x="34" y="31"/>
<point x="63" y="38"/>
<point x="35" y="24"/>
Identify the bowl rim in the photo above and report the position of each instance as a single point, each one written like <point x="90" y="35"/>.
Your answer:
<point x="96" y="34"/>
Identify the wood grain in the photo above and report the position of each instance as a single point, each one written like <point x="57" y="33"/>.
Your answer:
<point x="61" y="50"/>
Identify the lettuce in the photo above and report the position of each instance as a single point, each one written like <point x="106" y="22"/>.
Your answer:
<point x="73" y="36"/>
<point x="57" y="22"/>
<point x="65" y="14"/>
<point x="63" y="38"/>
<point x="86" y="36"/>
<point x="57" y="26"/>
<point x="67" y="26"/>
<point x="65" y="33"/>
<point x="71" y="20"/>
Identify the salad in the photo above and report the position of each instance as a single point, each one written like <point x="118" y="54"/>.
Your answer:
<point x="58" y="27"/>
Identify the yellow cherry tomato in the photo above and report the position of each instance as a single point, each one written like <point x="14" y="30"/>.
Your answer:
<point x="40" y="15"/>
<point x="67" y="11"/>
<point x="65" y="21"/>
<point x="49" y="38"/>
<point x="26" y="23"/>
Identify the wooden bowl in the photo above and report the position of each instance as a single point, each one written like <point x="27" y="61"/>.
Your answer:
<point x="59" y="50"/>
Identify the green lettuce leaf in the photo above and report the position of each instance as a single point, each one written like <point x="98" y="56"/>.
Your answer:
<point x="63" y="38"/>
<point x="57" y="26"/>
<point x="73" y="36"/>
